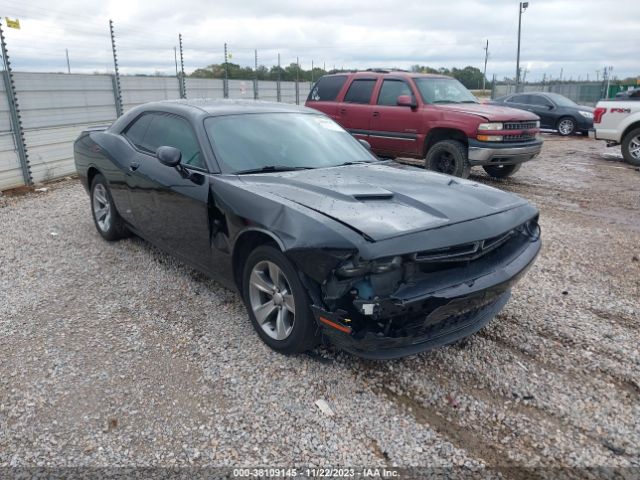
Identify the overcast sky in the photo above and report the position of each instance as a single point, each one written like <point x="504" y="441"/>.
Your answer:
<point x="579" y="37"/>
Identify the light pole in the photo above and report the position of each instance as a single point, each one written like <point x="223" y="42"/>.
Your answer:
<point x="523" y="6"/>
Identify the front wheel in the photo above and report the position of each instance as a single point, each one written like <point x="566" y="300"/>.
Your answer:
<point x="566" y="126"/>
<point x="449" y="157"/>
<point x="631" y="147"/>
<point x="501" y="171"/>
<point x="277" y="302"/>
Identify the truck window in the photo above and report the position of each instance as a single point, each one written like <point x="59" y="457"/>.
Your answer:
<point x="391" y="90"/>
<point x="327" y="88"/>
<point x="360" y="91"/>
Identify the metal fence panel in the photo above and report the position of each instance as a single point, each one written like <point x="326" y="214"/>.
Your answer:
<point x="241" y="89"/>
<point x="139" y="90"/>
<point x="10" y="171"/>
<point x="581" y="93"/>
<point x="55" y="99"/>
<point x="204" y="87"/>
<point x="268" y="90"/>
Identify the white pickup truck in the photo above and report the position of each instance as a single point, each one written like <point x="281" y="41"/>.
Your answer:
<point x="618" y="122"/>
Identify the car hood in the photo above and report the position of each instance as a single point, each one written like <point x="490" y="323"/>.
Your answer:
<point x="383" y="200"/>
<point x="491" y="112"/>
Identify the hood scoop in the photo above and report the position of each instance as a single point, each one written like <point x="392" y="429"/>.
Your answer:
<point x="364" y="192"/>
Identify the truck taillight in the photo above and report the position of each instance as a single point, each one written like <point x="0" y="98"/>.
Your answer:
<point x="598" y="113"/>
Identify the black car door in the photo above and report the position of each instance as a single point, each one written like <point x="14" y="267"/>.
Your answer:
<point x="170" y="204"/>
<point x="542" y="106"/>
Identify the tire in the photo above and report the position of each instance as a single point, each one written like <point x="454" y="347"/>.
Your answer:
<point x="566" y="126"/>
<point x="287" y="324"/>
<point x="449" y="157"/>
<point x="501" y="171"/>
<point x="631" y="147"/>
<point x="105" y="216"/>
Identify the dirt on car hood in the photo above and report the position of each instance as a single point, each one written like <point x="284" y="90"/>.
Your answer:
<point x="384" y="200"/>
<point x="490" y="112"/>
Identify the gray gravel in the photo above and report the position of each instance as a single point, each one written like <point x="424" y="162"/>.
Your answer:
<point x="114" y="354"/>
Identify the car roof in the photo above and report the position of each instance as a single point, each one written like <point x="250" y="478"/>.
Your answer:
<point x="387" y="73"/>
<point x="215" y="107"/>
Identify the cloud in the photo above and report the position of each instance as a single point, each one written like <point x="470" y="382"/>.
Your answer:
<point x="579" y="37"/>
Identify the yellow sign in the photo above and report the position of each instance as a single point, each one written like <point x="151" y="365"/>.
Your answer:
<point x="13" y="23"/>
<point x="229" y="56"/>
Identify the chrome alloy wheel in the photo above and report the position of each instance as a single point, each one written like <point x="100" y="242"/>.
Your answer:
<point x="271" y="300"/>
<point x="566" y="126"/>
<point x="634" y="147"/>
<point x="101" y="207"/>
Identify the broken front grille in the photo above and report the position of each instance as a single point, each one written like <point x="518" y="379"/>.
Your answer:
<point x="465" y="252"/>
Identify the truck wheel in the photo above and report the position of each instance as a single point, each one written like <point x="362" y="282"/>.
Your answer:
<point x="501" y="171"/>
<point x="631" y="147"/>
<point x="566" y="126"/>
<point x="449" y="157"/>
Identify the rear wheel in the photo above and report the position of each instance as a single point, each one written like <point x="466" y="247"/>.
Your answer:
<point x="277" y="302"/>
<point x="105" y="216"/>
<point x="631" y="147"/>
<point x="501" y="171"/>
<point x="566" y="126"/>
<point x="449" y="157"/>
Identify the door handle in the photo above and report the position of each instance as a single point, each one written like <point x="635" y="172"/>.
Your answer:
<point x="133" y="166"/>
<point x="343" y="110"/>
<point x="376" y="114"/>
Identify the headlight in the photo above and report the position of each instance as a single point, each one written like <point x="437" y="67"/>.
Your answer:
<point x="586" y="114"/>
<point x="538" y="124"/>
<point x="490" y="126"/>
<point x="353" y="268"/>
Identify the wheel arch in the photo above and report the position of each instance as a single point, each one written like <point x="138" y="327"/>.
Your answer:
<point x="437" y="134"/>
<point x="629" y="128"/>
<point x="92" y="171"/>
<point x="247" y="241"/>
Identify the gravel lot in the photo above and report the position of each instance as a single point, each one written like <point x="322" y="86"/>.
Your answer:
<point x="114" y="354"/>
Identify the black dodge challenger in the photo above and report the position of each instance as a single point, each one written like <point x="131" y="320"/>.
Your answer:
<point x="323" y="240"/>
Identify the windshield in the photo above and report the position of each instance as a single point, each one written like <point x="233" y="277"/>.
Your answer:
<point x="561" y="100"/>
<point x="281" y="141"/>
<point x="443" y="90"/>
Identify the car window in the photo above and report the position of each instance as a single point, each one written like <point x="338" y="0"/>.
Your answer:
<point x="538" y="100"/>
<point x="391" y="90"/>
<point x="136" y="131"/>
<point x="519" y="99"/>
<point x="327" y="88"/>
<point x="173" y="131"/>
<point x="284" y="140"/>
<point x="360" y="91"/>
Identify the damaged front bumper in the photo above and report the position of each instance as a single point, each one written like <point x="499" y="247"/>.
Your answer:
<point x="419" y="317"/>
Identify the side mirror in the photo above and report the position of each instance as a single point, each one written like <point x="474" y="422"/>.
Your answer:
<point x="169" y="156"/>
<point x="365" y="144"/>
<point x="406" y="101"/>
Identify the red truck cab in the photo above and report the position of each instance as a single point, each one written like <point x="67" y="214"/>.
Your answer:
<point x="431" y="117"/>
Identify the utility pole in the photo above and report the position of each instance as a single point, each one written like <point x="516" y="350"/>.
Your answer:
<point x="68" y="64"/>
<point x="225" y="85"/>
<point x="521" y="8"/>
<point x="278" y="92"/>
<point x="561" y="71"/>
<point x="486" y="57"/>
<point x="311" y="72"/>
<point x="116" y="78"/>
<point x="183" y="82"/>
<point x="255" y="85"/>
<point x="607" y="71"/>
<point x="297" y="81"/>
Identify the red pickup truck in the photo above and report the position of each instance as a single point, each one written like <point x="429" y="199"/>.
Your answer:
<point x="431" y="117"/>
